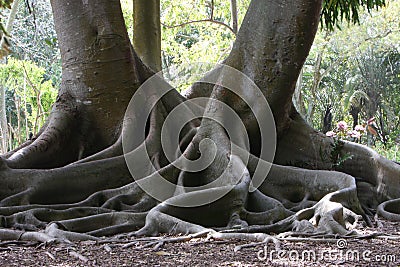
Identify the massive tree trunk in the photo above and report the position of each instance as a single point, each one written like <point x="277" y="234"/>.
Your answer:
<point x="123" y="151"/>
<point x="92" y="99"/>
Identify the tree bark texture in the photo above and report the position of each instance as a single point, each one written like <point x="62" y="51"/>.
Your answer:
<point x="75" y="179"/>
<point x="147" y="32"/>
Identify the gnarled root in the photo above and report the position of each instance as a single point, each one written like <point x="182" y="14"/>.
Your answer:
<point x="56" y="144"/>
<point x="218" y="200"/>
<point x="378" y="179"/>
<point x="390" y="210"/>
<point x="290" y="199"/>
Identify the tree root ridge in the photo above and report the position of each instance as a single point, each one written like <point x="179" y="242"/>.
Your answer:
<point x="48" y="148"/>
<point x="377" y="177"/>
<point x="128" y="208"/>
<point x="299" y="202"/>
<point x="390" y="210"/>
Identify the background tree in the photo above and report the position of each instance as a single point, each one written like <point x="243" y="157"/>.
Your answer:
<point x="147" y="32"/>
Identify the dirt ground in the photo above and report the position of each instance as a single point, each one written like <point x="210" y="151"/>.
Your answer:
<point x="201" y="252"/>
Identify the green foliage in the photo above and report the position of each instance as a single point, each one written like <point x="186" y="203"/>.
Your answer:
<point x="334" y="11"/>
<point x="360" y="68"/>
<point x="127" y="11"/>
<point x="34" y="38"/>
<point x="5" y="3"/>
<point x="390" y="151"/>
<point x="192" y="31"/>
<point x="4" y="49"/>
<point x="337" y="158"/>
<point x="29" y="94"/>
<point x="199" y="30"/>
<point x="186" y="40"/>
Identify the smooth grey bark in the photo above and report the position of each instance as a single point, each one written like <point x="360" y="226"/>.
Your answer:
<point x="147" y="32"/>
<point x="273" y="57"/>
<point x="234" y="14"/>
<point x="89" y="109"/>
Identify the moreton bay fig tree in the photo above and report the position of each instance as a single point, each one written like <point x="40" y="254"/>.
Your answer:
<point x="123" y="151"/>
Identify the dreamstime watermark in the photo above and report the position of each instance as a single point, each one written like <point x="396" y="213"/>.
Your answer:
<point x="159" y="93"/>
<point x="342" y="253"/>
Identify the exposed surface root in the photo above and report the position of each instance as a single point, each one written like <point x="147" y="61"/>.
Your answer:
<point x="56" y="144"/>
<point x="305" y="203"/>
<point x="110" y="152"/>
<point x="130" y="174"/>
<point x="299" y="201"/>
<point x="257" y="239"/>
<point x="390" y="210"/>
<point x="377" y="177"/>
<point x="97" y="196"/>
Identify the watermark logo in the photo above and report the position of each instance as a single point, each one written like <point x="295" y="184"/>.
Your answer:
<point x="341" y="243"/>
<point x="159" y="93"/>
<point x="342" y="253"/>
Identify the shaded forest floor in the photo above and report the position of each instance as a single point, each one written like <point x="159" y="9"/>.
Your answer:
<point x="200" y="252"/>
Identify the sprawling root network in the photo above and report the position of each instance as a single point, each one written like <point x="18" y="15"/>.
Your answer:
<point x="97" y="196"/>
<point x="210" y="174"/>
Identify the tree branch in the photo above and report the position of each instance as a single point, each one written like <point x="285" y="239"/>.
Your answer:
<point x="234" y="16"/>
<point x="200" y="20"/>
